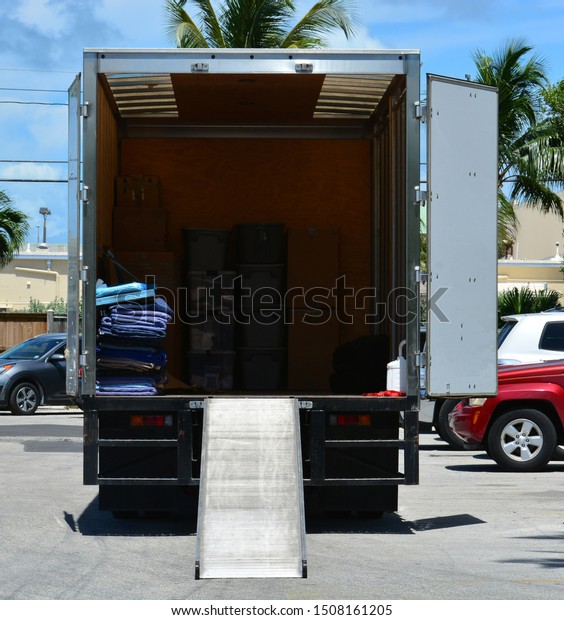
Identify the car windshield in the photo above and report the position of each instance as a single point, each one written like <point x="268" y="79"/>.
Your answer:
<point x="504" y="331"/>
<point x="30" y="349"/>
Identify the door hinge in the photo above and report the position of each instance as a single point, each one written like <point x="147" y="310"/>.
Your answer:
<point x="84" y="274"/>
<point x="420" y="195"/>
<point x="82" y="359"/>
<point x="420" y="111"/>
<point x="420" y="276"/>
<point x="84" y="194"/>
<point x="85" y="109"/>
<point x="421" y="360"/>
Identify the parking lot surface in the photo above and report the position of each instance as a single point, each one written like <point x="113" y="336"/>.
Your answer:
<point x="467" y="531"/>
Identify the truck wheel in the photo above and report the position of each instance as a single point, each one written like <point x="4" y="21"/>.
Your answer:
<point x="24" y="399"/>
<point x="443" y="429"/>
<point x="522" y="440"/>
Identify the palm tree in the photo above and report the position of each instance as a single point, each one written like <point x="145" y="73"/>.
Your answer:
<point x="257" y="23"/>
<point x="14" y="228"/>
<point x="531" y="151"/>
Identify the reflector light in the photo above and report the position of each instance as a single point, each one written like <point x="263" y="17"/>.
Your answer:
<point x="349" y="419"/>
<point x="150" y="420"/>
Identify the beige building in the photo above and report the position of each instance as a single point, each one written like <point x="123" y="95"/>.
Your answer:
<point x="35" y="273"/>
<point x="536" y="257"/>
<point x="535" y="260"/>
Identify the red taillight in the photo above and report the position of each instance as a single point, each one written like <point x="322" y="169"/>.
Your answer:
<point x="150" y="420"/>
<point x="349" y="419"/>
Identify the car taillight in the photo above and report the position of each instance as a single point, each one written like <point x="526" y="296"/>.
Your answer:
<point x="349" y="419"/>
<point x="150" y="420"/>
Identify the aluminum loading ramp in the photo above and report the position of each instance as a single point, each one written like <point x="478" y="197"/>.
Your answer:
<point x="251" y="511"/>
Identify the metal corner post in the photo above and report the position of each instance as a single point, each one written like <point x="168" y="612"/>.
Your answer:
<point x="413" y="215"/>
<point x="89" y="223"/>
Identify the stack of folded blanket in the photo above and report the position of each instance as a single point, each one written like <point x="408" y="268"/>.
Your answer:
<point x="137" y="321"/>
<point x="129" y="357"/>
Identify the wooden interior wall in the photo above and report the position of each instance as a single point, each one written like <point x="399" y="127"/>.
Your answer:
<point x="107" y="168"/>
<point x="214" y="183"/>
<point x="390" y="200"/>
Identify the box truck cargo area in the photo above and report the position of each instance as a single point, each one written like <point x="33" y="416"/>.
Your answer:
<point x="287" y="183"/>
<point x="271" y="197"/>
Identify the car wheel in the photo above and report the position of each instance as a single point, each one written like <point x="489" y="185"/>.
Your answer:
<point x="24" y="399"/>
<point x="522" y="440"/>
<point x="443" y="429"/>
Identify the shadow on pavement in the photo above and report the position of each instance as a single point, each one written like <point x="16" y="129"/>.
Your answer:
<point x="93" y="522"/>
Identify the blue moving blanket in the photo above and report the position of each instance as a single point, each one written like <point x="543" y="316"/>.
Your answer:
<point x="127" y="385"/>
<point x="132" y="287"/>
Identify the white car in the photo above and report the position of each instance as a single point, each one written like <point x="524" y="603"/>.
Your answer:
<point x="530" y="338"/>
<point x="524" y="338"/>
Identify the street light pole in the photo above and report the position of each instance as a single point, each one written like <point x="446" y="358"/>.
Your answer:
<point x="44" y="212"/>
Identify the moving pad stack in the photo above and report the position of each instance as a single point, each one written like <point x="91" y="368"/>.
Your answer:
<point x="130" y="359"/>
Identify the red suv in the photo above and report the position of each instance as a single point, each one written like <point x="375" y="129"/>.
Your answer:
<point x="522" y="428"/>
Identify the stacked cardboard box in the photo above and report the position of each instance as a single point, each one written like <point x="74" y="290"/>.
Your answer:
<point x="139" y="223"/>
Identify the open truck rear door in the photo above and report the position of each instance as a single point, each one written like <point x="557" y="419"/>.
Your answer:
<point x="462" y="142"/>
<point x="73" y="297"/>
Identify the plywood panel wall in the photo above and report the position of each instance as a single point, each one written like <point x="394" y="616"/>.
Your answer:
<point x="107" y="169"/>
<point x="218" y="183"/>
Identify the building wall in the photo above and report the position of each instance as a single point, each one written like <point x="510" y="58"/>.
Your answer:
<point x="538" y="234"/>
<point x="34" y="274"/>
<point x="537" y="275"/>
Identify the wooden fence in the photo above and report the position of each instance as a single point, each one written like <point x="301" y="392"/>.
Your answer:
<point x="18" y="326"/>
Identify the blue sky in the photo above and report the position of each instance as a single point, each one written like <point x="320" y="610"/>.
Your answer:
<point x="42" y="43"/>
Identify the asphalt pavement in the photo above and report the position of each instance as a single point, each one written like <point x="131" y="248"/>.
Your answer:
<point x="467" y="531"/>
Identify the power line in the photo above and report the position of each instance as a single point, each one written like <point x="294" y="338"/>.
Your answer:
<point x="39" y="71"/>
<point x="33" y="161"/>
<point x="33" y="103"/>
<point x="34" y="90"/>
<point x="33" y="181"/>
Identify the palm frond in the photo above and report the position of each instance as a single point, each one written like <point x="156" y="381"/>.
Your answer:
<point x="183" y="30"/>
<point x="256" y="23"/>
<point x="14" y="228"/>
<point x="523" y="300"/>
<point x="507" y="222"/>
<point x="323" y="17"/>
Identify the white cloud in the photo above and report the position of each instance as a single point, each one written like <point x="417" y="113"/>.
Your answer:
<point x="363" y="39"/>
<point x="49" y="18"/>
<point x="138" y="23"/>
<point x="32" y="171"/>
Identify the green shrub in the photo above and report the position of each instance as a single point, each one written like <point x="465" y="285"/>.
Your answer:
<point x="523" y="300"/>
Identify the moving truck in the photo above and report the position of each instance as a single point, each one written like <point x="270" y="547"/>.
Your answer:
<point x="273" y="199"/>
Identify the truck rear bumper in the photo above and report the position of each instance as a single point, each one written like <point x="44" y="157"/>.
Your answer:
<point x="342" y="464"/>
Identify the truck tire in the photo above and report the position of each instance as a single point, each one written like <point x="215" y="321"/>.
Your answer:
<point x="24" y="399"/>
<point x="522" y="440"/>
<point x="443" y="429"/>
